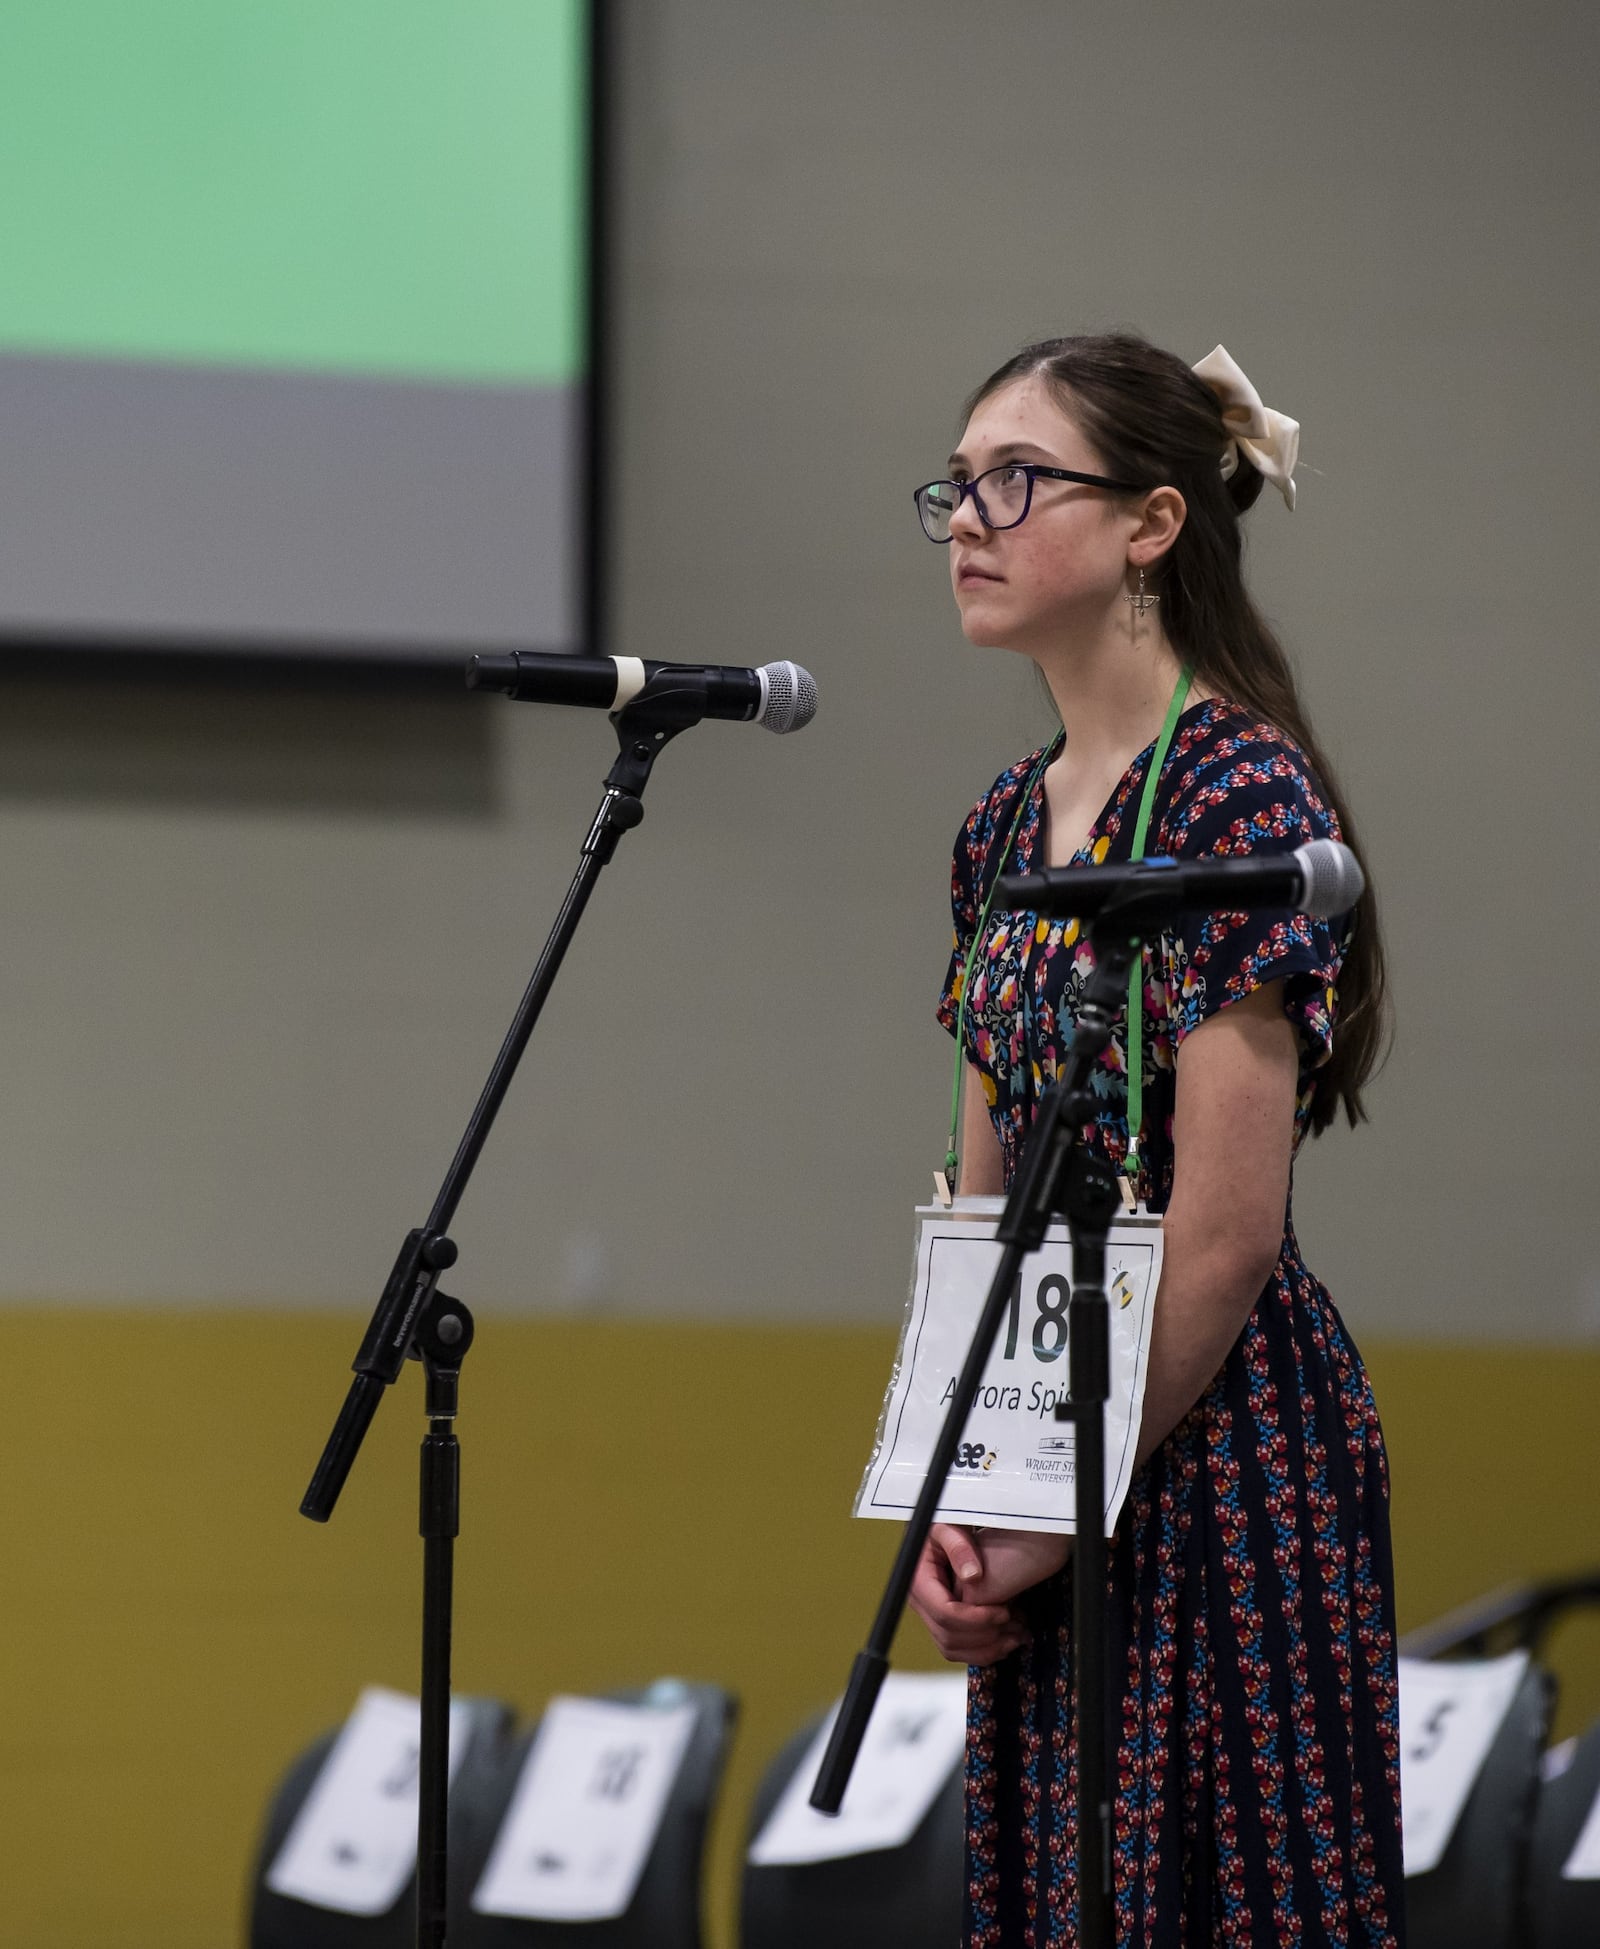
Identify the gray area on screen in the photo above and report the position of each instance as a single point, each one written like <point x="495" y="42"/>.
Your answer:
<point x="268" y="504"/>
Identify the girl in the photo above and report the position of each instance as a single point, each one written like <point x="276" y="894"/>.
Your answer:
<point x="1092" y="518"/>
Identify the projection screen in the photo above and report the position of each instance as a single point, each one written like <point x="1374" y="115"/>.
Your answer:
<point x="294" y="318"/>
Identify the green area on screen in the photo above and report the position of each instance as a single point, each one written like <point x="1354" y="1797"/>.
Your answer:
<point x="393" y="187"/>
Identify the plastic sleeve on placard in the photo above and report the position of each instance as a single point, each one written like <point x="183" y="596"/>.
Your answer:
<point x="880" y="1435"/>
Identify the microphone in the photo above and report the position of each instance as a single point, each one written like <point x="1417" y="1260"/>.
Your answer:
<point x="1322" y="877"/>
<point x="781" y="696"/>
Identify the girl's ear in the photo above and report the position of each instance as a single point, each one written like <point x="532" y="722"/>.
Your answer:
<point x="1165" y="512"/>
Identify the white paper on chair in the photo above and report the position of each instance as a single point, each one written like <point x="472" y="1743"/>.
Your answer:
<point x="1583" y="1863"/>
<point x="914" y="1741"/>
<point x="1450" y="1711"/>
<point x="586" y="1810"/>
<point x="353" y="1845"/>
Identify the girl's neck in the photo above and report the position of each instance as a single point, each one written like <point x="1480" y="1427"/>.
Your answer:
<point x="1113" y="695"/>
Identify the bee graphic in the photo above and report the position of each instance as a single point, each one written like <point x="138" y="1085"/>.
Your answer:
<point x="1122" y="1289"/>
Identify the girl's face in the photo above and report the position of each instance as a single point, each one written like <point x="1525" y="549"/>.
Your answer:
<point x="1063" y="569"/>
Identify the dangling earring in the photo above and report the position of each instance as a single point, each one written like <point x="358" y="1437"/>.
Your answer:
<point x="1141" y="601"/>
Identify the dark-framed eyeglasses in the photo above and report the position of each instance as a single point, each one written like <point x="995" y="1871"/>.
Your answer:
<point x="1002" y="496"/>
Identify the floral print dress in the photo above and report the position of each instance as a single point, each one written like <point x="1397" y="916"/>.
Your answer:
<point x="1255" y="1742"/>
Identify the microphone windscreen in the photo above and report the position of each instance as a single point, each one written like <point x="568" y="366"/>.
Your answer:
<point x="789" y="696"/>
<point x="1333" y="877"/>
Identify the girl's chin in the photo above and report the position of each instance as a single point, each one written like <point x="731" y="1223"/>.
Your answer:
<point x="986" y="636"/>
<point x="990" y="622"/>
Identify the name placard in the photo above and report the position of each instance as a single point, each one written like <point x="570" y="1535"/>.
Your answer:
<point x="1014" y="1466"/>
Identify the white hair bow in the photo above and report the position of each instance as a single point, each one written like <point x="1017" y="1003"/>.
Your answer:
<point x="1270" y="441"/>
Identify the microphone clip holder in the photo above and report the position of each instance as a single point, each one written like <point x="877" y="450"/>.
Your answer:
<point x="415" y="1319"/>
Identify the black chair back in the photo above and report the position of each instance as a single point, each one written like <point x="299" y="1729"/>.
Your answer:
<point x="1564" y="1914"/>
<point x="280" y="1922"/>
<point x="1473" y="1899"/>
<point x="665" y="1912"/>
<point x="907" y="1896"/>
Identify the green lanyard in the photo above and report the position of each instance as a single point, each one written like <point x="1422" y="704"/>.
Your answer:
<point x="1158" y="759"/>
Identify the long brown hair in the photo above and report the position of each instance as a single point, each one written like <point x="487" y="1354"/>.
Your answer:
<point x="1151" y="420"/>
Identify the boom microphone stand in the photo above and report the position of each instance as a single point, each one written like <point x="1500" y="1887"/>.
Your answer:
<point x="413" y="1317"/>
<point x="1057" y="1174"/>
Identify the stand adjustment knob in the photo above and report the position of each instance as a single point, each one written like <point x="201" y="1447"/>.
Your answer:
<point x="439" y="1253"/>
<point x="444" y="1333"/>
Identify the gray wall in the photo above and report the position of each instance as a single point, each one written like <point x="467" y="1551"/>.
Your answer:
<point x="257" y="953"/>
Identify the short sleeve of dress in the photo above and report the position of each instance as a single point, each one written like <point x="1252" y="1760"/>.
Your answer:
<point x="1253" y="792"/>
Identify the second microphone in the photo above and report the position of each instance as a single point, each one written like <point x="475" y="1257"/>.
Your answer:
<point x="1321" y="877"/>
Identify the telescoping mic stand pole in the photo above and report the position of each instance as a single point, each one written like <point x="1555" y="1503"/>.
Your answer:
<point x="414" y="1317"/>
<point x="1057" y="1175"/>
